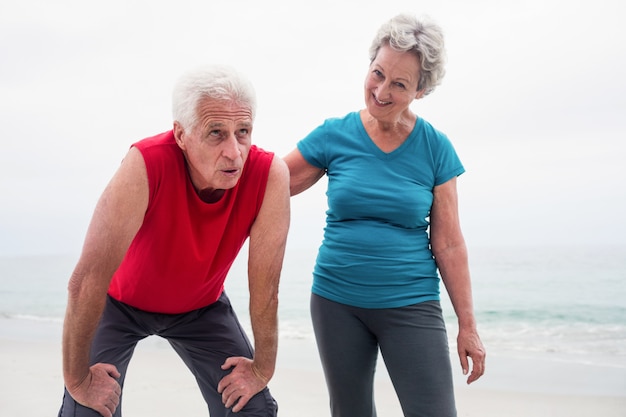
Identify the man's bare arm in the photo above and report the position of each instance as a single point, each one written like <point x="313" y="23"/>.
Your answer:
<point x="268" y="238"/>
<point x="116" y="219"/>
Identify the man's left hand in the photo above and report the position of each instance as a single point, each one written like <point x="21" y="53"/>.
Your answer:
<point x="241" y="384"/>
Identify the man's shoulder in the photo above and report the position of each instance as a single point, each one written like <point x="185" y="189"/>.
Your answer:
<point x="161" y="139"/>
<point x="258" y="152"/>
<point x="259" y="158"/>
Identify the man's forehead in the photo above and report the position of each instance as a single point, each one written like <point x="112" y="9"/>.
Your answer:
<point x="224" y="111"/>
<point x="221" y="122"/>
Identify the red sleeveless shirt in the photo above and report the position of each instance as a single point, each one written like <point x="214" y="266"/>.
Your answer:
<point x="180" y="257"/>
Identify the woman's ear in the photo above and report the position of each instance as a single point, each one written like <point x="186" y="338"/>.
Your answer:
<point x="420" y="93"/>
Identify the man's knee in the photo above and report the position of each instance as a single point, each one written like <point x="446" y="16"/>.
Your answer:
<point x="261" y="405"/>
<point x="70" y="408"/>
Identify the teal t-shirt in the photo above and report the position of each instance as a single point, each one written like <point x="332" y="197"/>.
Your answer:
<point x="376" y="249"/>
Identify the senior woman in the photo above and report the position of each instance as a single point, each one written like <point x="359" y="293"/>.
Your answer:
<point x="391" y="177"/>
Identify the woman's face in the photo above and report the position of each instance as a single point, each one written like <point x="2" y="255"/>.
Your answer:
<point x="391" y="83"/>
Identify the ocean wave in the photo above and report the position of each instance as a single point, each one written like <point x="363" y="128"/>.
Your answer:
<point x="31" y="317"/>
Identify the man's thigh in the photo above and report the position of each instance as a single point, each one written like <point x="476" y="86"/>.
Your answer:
<point x="204" y="339"/>
<point x="114" y="342"/>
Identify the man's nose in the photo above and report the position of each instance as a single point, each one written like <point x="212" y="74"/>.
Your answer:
<point x="230" y="147"/>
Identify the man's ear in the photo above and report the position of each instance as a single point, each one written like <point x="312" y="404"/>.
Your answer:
<point x="179" y="132"/>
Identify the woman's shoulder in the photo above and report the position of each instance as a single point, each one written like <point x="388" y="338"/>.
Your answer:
<point x="431" y="134"/>
<point x="342" y="120"/>
<point x="430" y="130"/>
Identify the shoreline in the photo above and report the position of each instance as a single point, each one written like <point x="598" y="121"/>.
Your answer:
<point x="158" y="383"/>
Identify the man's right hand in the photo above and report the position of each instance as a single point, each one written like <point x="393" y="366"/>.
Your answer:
<point x="99" y="390"/>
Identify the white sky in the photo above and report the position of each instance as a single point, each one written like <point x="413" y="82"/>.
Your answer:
<point x="534" y="101"/>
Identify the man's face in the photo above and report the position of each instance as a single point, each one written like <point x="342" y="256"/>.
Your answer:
<point x="217" y="148"/>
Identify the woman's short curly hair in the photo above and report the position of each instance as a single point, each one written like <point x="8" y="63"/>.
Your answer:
<point x="424" y="38"/>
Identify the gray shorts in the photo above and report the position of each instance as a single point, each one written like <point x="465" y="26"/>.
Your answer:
<point x="413" y="344"/>
<point x="203" y="338"/>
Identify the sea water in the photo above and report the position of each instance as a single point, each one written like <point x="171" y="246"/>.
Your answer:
<point x="567" y="303"/>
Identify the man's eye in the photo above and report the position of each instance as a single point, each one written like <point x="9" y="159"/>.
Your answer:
<point x="215" y="133"/>
<point x="243" y="132"/>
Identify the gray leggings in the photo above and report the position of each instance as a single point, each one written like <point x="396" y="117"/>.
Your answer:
<point x="203" y="338"/>
<point x="413" y="344"/>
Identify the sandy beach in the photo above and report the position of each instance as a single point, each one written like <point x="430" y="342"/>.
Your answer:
<point x="158" y="384"/>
